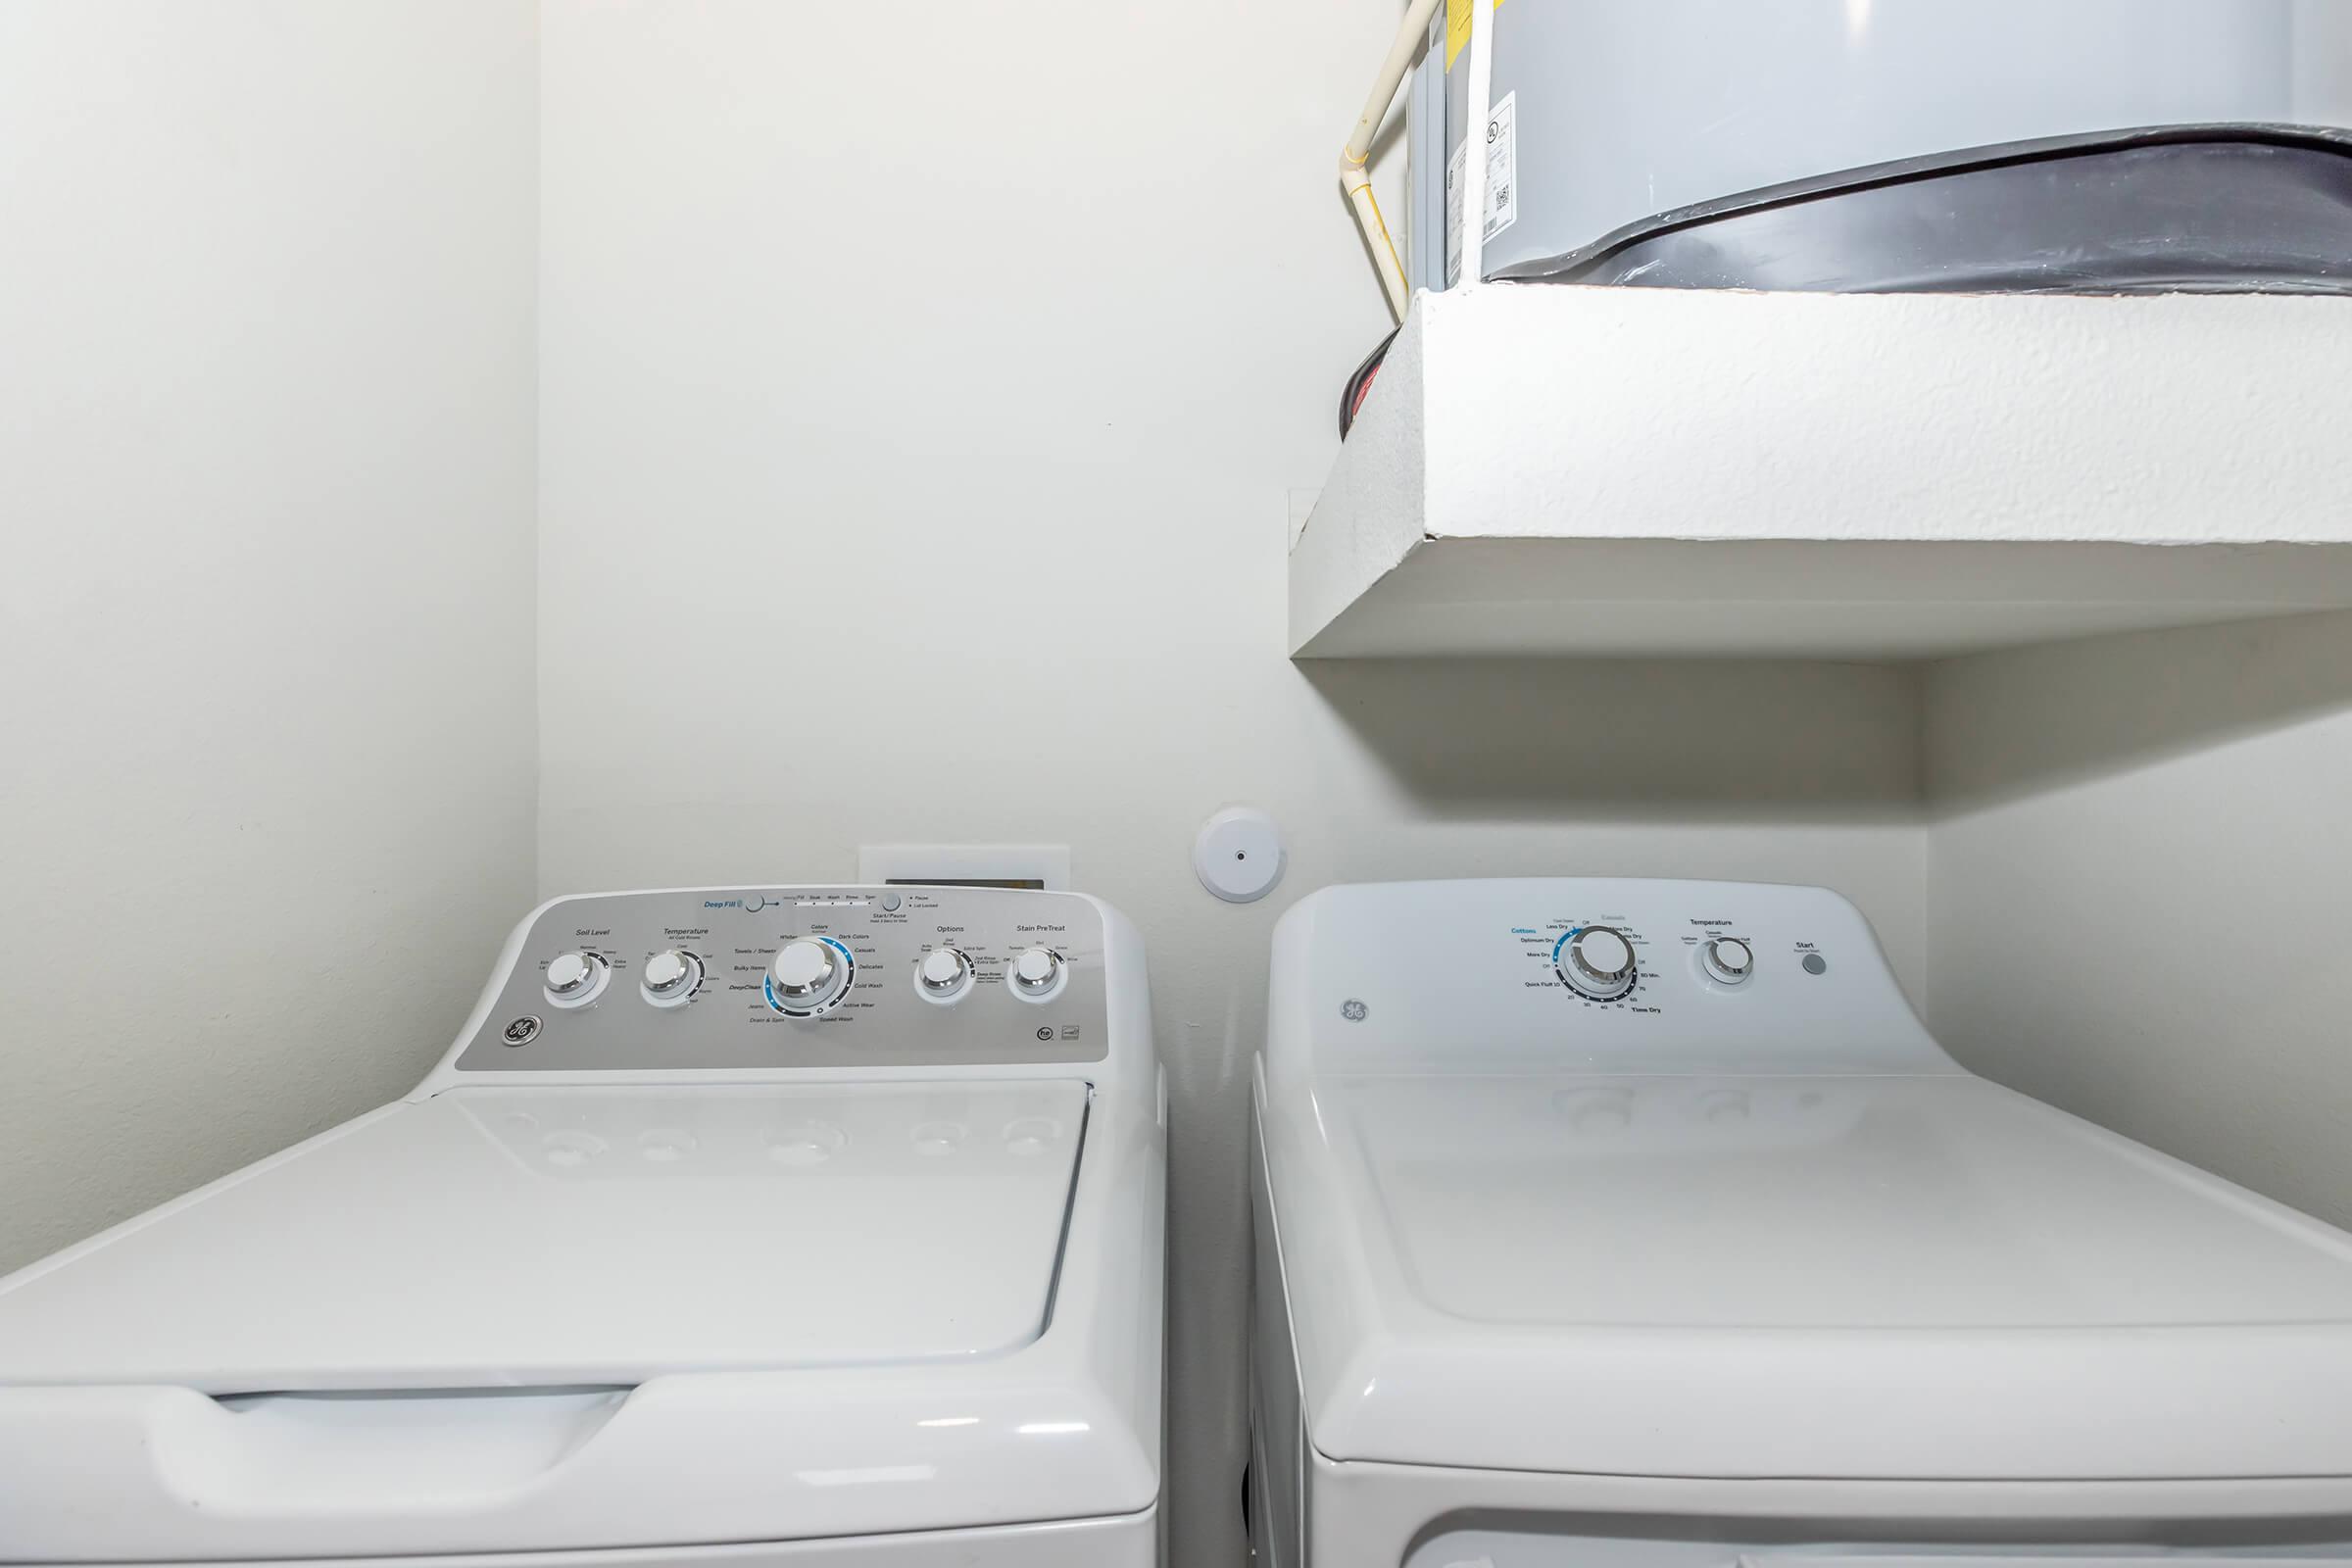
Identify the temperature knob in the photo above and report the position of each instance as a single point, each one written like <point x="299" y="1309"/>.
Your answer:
<point x="671" y="977"/>
<point x="574" y="979"/>
<point x="944" y="975"/>
<point x="1038" y="974"/>
<point x="807" y="976"/>
<point x="1728" y="960"/>
<point x="1599" y="963"/>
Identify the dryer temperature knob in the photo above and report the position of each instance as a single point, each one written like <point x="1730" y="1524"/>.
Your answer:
<point x="1728" y="960"/>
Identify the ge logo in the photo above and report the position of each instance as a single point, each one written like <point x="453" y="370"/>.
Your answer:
<point x="1045" y="1031"/>
<point x="1354" y="1010"/>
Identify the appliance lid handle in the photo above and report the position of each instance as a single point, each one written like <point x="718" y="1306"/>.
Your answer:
<point x="308" y="1453"/>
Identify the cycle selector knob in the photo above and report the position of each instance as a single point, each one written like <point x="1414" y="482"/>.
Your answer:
<point x="944" y="975"/>
<point x="1728" y="960"/>
<point x="1599" y="963"/>
<point x="1037" y="974"/>
<point x="807" y="976"/>
<point x="670" y="976"/>
<point x="574" y="979"/>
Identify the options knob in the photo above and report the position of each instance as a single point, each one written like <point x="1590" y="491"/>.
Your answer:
<point x="1597" y="962"/>
<point x="944" y="975"/>
<point x="575" y="979"/>
<point x="807" y="976"/>
<point x="671" y="977"/>
<point x="1726" y="961"/>
<point x="1037" y="975"/>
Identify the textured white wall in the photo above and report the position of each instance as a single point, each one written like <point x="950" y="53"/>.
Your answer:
<point x="2137" y="886"/>
<point x="265" y="572"/>
<point x="920" y="391"/>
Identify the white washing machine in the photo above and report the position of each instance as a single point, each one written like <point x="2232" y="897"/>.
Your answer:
<point x="1641" y="1223"/>
<point x="798" y="1226"/>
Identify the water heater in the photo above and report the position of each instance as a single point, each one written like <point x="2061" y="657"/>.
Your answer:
<point x="1617" y="121"/>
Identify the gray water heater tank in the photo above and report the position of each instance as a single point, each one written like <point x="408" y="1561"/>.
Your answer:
<point x="1607" y="113"/>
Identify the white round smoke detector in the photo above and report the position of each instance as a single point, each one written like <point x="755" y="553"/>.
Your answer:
<point x="1239" y="855"/>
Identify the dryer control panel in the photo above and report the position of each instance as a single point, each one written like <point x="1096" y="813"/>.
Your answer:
<point x="811" y="977"/>
<point x="1599" y="973"/>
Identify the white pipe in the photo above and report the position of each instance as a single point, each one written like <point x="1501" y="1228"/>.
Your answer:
<point x="1480" y="91"/>
<point x="1355" y="179"/>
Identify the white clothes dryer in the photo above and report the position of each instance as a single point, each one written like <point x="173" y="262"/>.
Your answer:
<point x="1641" y="1224"/>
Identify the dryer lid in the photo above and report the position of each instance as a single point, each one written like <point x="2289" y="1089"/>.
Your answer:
<point x="1811" y="1203"/>
<point x="548" y="1236"/>
<point x="1838" y="1277"/>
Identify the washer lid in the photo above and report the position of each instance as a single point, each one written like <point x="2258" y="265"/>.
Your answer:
<point x="527" y="1236"/>
<point x="1838" y="1277"/>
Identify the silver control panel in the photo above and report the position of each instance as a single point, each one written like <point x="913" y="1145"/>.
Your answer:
<point x="813" y="977"/>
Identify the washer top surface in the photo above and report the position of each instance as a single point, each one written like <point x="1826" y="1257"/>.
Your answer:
<point x="503" y="1237"/>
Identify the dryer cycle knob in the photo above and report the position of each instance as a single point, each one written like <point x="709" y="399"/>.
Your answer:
<point x="670" y="976"/>
<point x="1599" y="963"/>
<point x="944" y="975"/>
<point x="1038" y="974"/>
<point x="574" y="979"/>
<point x="1728" y="960"/>
<point x="806" y="976"/>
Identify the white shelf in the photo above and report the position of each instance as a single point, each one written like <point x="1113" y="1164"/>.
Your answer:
<point x="1546" y="470"/>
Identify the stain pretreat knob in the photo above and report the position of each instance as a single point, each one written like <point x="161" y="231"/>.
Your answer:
<point x="1728" y="960"/>
<point x="806" y="976"/>
<point x="944" y="975"/>
<point x="1600" y="963"/>
<point x="574" y="979"/>
<point x="671" y="977"/>
<point x="1038" y="974"/>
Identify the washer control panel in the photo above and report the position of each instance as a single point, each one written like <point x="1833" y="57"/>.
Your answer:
<point x="814" y="977"/>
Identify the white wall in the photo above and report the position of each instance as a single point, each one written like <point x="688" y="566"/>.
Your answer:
<point x="920" y="390"/>
<point x="266" y="579"/>
<point x="2323" y="80"/>
<point x="2138" y="890"/>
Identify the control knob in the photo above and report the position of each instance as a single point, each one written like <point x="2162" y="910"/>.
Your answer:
<point x="1037" y="974"/>
<point x="1597" y="962"/>
<point x="670" y="976"/>
<point x="807" y="976"/>
<point x="1728" y="960"/>
<point x="944" y="975"/>
<point x="574" y="979"/>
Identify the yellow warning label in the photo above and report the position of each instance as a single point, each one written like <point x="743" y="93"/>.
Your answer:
<point x="1457" y="27"/>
